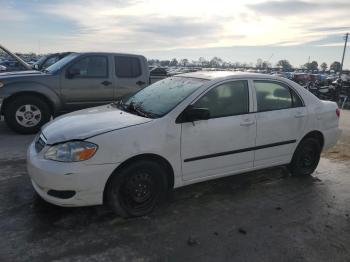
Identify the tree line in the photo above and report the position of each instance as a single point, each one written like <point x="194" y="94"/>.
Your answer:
<point x="312" y="66"/>
<point x="217" y="62"/>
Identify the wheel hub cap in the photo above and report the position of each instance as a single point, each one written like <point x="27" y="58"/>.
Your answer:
<point x="141" y="192"/>
<point x="139" y="188"/>
<point x="28" y="115"/>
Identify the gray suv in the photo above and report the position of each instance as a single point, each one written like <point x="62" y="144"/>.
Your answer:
<point x="29" y="99"/>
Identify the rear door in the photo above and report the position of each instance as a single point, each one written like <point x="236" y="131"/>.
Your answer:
<point x="130" y="74"/>
<point x="281" y="117"/>
<point x="223" y="144"/>
<point x="89" y="84"/>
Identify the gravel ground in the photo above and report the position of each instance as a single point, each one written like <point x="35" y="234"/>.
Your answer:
<point x="258" y="216"/>
<point x="342" y="149"/>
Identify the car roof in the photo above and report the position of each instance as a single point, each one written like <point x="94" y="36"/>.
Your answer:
<point x="108" y="53"/>
<point x="216" y="75"/>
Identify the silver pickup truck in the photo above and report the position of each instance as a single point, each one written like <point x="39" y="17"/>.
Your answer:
<point x="28" y="99"/>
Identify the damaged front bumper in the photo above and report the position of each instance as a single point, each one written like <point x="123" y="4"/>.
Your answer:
<point x="67" y="184"/>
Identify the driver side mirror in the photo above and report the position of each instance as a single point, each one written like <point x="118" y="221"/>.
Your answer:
<point x="192" y="114"/>
<point x="36" y="67"/>
<point x="72" y="72"/>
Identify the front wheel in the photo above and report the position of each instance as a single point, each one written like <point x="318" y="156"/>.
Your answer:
<point x="27" y="114"/>
<point x="306" y="157"/>
<point x="137" y="188"/>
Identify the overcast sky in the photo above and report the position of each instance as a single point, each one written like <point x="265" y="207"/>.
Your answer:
<point x="233" y="30"/>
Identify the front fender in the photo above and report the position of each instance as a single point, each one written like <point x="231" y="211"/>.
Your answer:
<point x="18" y="88"/>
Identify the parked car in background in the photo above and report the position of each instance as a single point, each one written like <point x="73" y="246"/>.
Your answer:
<point x="12" y="65"/>
<point x="15" y="63"/>
<point x="301" y="78"/>
<point x="181" y="130"/>
<point x="48" y="60"/>
<point x="158" y="73"/>
<point x="79" y="80"/>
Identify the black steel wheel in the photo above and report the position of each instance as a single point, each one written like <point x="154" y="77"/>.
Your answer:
<point x="137" y="189"/>
<point x="306" y="157"/>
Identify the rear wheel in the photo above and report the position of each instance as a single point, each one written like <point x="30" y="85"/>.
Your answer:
<point x="27" y="114"/>
<point x="306" y="157"/>
<point x="137" y="188"/>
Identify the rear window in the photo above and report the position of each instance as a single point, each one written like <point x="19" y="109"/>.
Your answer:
<point x="296" y="100"/>
<point x="272" y="96"/>
<point x="127" y="67"/>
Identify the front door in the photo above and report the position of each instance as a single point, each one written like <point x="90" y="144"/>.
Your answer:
<point x="87" y="82"/>
<point x="224" y="143"/>
<point x="281" y="118"/>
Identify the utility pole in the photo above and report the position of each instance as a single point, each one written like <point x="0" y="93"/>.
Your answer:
<point x="268" y="61"/>
<point x="342" y="60"/>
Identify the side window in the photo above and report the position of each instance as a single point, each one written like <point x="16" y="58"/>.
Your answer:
<point x="272" y="96"/>
<point x="127" y="67"/>
<point x="227" y="99"/>
<point x="91" y="67"/>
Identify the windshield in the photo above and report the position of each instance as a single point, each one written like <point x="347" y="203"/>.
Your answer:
<point x="58" y="65"/>
<point x="161" y="97"/>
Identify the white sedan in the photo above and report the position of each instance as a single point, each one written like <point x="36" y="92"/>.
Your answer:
<point x="181" y="130"/>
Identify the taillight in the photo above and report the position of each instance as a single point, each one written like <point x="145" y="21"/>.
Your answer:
<point x="337" y="111"/>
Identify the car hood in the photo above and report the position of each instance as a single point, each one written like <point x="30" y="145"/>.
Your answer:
<point x="90" y="122"/>
<point x="24" y="72"/>
<point x="20" y="73"/>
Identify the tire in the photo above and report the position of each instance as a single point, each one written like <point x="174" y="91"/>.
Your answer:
<point x="306" y="157"/>
<point x="137" y="189"/>
<point x="27" y="114"/>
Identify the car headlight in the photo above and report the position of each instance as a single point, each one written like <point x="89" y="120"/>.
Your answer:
<point x="72" y="151"/>
<point x="1" y="84"/>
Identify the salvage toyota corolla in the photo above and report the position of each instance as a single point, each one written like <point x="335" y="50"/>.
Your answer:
<point x="178" y="131"/>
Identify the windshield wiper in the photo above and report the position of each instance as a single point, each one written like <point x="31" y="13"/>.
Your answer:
<point x="131" y="107"/>
<point x="144" y="113"/>
<point x="119" y="104"/>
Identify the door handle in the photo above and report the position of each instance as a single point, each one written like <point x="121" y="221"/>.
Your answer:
<point x="140" y="83"/>
<point x="106" y="83"/>
<point x="247" y="122"/>
<point x="299" y="115"/>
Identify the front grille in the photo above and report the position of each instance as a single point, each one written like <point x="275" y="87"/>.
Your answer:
<point x="39" y="144"/>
